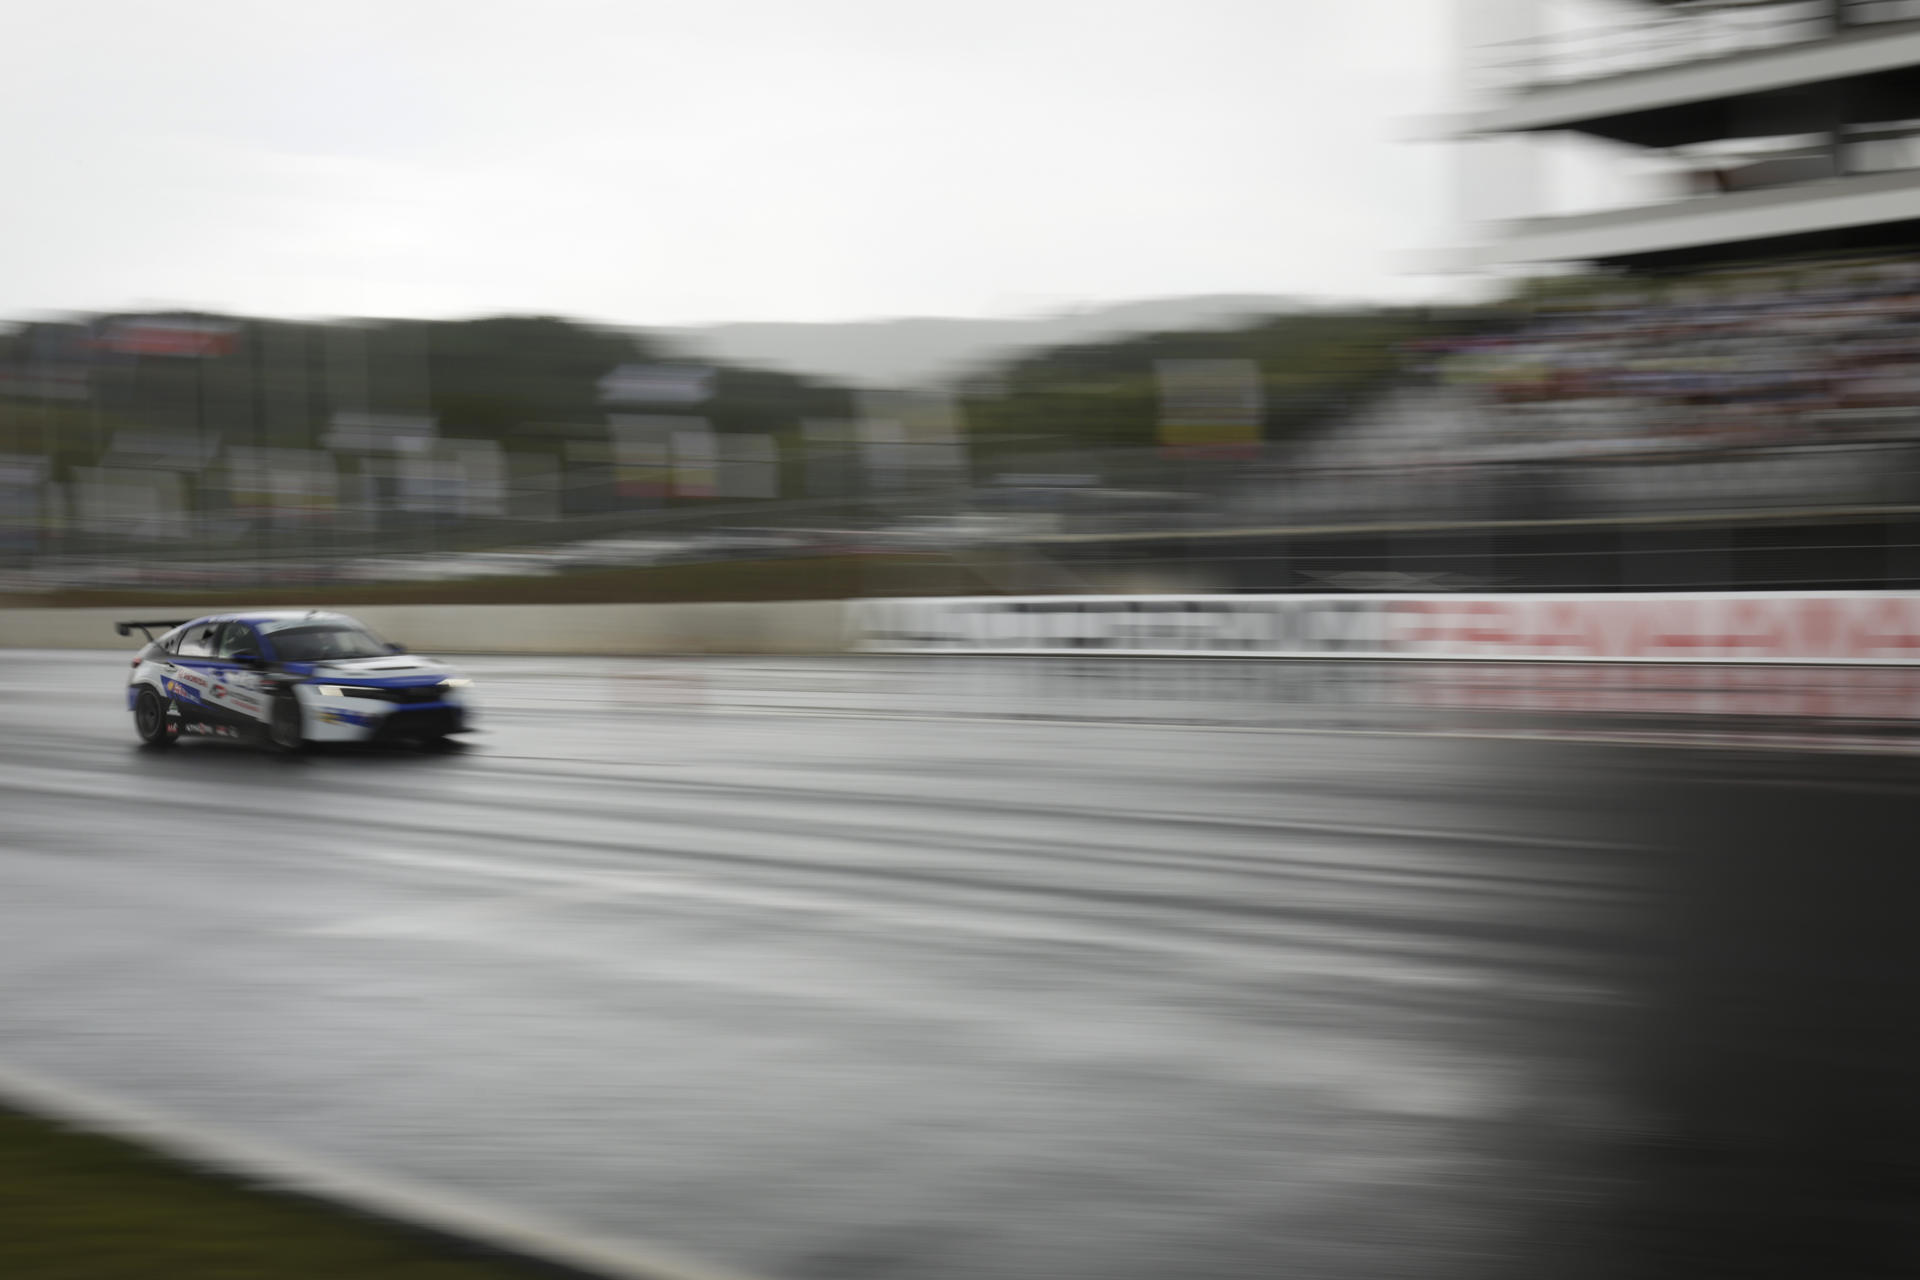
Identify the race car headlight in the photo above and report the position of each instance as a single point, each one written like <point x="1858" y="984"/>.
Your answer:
<point x="329" y="690"/>
<point x="455" y="682"/>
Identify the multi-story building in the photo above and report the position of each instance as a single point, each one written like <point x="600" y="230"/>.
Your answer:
<point x="1678" y="135"/>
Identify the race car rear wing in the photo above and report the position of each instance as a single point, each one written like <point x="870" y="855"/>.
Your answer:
<point x="146" y="628"/>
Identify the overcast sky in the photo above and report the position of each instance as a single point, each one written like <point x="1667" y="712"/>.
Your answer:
<point x="696" y="161"/>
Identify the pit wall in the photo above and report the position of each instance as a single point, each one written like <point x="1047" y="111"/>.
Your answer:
<point x="1865" y="628"/>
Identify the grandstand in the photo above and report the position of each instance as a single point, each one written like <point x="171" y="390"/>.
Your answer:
<point x="1711" y="213"/>
<point x="1712" y="376"/>
<point x="1757" y="164"/>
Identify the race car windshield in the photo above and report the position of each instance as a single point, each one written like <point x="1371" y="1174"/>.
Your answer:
<point x="325" y="642"/>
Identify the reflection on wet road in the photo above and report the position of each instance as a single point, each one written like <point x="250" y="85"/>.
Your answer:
<point x="998" y="968"/>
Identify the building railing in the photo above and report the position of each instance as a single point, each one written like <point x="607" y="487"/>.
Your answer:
<point x="1673" y="38"/>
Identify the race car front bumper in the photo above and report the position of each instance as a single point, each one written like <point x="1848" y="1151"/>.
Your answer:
<point x="421" y="723"/>
<point x="358" y="719"/>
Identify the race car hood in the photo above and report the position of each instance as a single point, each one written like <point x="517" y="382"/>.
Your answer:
<point x="396" y="668"/>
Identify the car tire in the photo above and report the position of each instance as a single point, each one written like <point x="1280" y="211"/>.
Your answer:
<point x="284" y="728"/>
<point x="150" y="720"/>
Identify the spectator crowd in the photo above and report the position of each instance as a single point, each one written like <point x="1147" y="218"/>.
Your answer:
<point x="1789" y="354"/>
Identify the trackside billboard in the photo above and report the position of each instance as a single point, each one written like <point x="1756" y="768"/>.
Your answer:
<point x="1808" y="627"/>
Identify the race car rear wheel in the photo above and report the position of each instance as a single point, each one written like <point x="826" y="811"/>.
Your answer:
<point x="284" y="729"/>
<point x="150" y="720"/>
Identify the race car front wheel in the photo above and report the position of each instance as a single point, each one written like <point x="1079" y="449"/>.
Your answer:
<point x="285" y="727"/>
<point x="150" y="720"/>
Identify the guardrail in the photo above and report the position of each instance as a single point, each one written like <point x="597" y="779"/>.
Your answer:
<point x="1868" y="465"/>
<point x="1670" y="38"/>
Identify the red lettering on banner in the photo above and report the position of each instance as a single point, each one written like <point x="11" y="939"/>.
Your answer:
<point x="1607" y="626"/>
<point x="1754" y="625"/>
<point x="1409" y="626"/>
<point x="1643" y="623"/>
<point x="1564" y="625"/>
<point x="1680" y="628"/>
<point x="1818" y="629"/>
<point x="1498" y="631"/>
<point x="1682" y="625"/>
<point x="1684" y="690"/>
<point x="1883" y="622"/>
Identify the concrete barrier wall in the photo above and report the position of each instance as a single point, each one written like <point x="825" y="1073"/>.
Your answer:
<point x="790" y="627"/>
<point x="64" y="628"/>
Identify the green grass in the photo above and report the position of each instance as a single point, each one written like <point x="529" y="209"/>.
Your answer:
<point x="76" y="1206"/>
<point x="824" y="578"/>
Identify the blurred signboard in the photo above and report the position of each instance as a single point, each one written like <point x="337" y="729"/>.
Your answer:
<point x="884" y="452"/>
<point x="192" y="339"/>
<point x="749" y="466"/>
<point x="20" y="470"/>
<point x="426" y="485"/>
<point x="1868" y="627"/>
<point x="911" y="437"/>
<point x="1210" y="408"/>
<point x="282" y="482"/>
<point x="143" y="448"/>
<point x="657" y="384"/>
<point x="380" y="433"/>
<point x="129" y="501"/>
<point x="482" y="469"/>
<point x="46" y="382"/>
<point x="643" y="452"/>
<point x="696" y="463"/>
<point x="643" y="469"/>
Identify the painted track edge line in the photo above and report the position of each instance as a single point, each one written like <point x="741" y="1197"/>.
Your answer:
<point x="470" y="1220"/>
<point x="1374" y="655"/>
<point x="1677" y="740"/>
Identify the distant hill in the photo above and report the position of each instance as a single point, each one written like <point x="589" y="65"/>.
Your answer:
<point x="921" y="350"/>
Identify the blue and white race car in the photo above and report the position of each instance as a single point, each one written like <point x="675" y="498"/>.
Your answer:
<point x="287" y="678"/>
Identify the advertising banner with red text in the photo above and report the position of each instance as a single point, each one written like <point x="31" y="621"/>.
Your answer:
<point x="1871" y="627"/>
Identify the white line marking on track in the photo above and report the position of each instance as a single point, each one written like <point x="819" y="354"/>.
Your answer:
<point x="1675" y="739"/>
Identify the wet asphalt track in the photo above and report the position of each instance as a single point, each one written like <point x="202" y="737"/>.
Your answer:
<point x="993" y="968"/>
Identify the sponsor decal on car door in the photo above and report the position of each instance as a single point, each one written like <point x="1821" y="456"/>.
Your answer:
<point x="242" y="691"/>
<point x="187" y="678"/>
